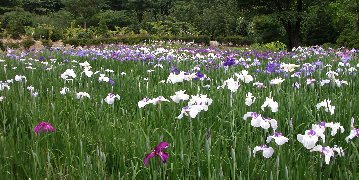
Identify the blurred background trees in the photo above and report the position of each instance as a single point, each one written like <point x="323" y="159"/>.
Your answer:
<point x="293" y="22"/>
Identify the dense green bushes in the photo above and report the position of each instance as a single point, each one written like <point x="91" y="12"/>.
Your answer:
<point x="235" y="40"/>
<point x="135" y="39"/>
<point x="27" y="43"/>
<point x="47" y="32"/>
<point x="14" y="22"/>
<point x="349" y="38"/>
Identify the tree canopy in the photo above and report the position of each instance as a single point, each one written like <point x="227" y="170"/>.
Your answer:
<point x="294" y="22"/>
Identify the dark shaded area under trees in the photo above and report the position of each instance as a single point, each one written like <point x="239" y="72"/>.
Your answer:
<point x="241" y="22"/>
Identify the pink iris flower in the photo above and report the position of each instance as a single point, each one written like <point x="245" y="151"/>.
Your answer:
<point x="43" y="127"/>
<point x="159" y="151"/>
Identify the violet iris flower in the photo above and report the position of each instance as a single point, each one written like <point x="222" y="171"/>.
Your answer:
<point x="199" y="75"/>
<point x="111" y="81"/>
<point x="229" y="62"/>
<point x="159" y="151"/>
<point x="174" y="70"/>
<point x="43" y="127"/>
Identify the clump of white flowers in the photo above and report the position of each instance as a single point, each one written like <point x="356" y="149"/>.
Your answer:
<point x="68" y="74"/>
<point x="249" y="99"/>
<point x="196" y="104"/>
<point x="179" y="95"/>
<point x="326" y="104"/>
<point x="311" y="137"/>
<point x="269" y="102"/>
<point x="244" y="76"/>
<point x="110" y="99"/>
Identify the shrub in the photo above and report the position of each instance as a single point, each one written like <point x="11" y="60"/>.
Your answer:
<point x="46" y="43"/>
<point x="134" y="39"/>
<point x="27" y="43"/>
<point x="47" y="32"/>
<point x="236" y="40"/>
<point x="267" y="29"/>
<point x="14" y="22"/>
<point x="318" y="27"/>
<point x="272" y="46"/>
<point x="12" y="45"/>
<point x="349" y="38"/>
<point x="329" y="45"/>
<point x="2" y="47"/>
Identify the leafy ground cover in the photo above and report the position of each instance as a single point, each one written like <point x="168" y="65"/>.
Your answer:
<point x="164" y="112"/>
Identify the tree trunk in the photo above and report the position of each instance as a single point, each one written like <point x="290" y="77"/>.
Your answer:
<point x="85" y="24"/>
<point x="293" y="28"/>
<point x="292" y="32"/>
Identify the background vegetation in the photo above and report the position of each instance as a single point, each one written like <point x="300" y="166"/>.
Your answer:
<point x="293" y="22"/>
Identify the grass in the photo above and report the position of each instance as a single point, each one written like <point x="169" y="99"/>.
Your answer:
<point x="94" y="140"/>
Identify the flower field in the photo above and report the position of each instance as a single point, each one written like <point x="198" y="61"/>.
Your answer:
<point x="179" y="112"/>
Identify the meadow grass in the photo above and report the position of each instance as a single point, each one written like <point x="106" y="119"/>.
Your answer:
<point x="95" y="140"/>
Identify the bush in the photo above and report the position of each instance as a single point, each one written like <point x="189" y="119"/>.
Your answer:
<point x="12" y="45"/>
<point x="111" y="19"/>
<point x="272" y="46"/>
<point x="14" y="22"/>
<point x="318" y="27"/>
<point x="27" y="43"/>
<point x="134" y="39"/>
<point x="329" y="45"/>
<point x="2" y="47"/>
<point x="47" y="32"/>
<point x="349" y="39"/>
<point x="46" y="43"/>
<point x="236" y="40"/>
<point x="267" y="29"/>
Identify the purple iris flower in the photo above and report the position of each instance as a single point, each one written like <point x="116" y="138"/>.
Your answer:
<point x="322" y="124"/>
<point x="229" y="62"/>
<point x="278" y="134"/>
<point x="273" y="67"/>
<point x="174" y="70"/>
<point x="159" y="151"/>
<point x="43" y="127"/>
<point x="111" y="81"/>
<point x="312" y="132"/>
<point x="199" y="75"/>
<point x="318" y="63"/>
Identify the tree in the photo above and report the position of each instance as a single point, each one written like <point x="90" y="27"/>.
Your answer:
<point x="9" y="5"/>
<point x="42" y="7"/>
<point x="84" y="9"/>
<point x="289" y="12"/>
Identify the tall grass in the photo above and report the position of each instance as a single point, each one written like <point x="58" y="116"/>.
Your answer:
<point x="94" y="140"/>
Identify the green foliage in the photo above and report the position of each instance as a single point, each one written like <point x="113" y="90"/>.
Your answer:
<point x="217" y="21"/>
<point x="12" y="45"/>
<point x="349" y="38"/>
<point x="49" y="32"/>
<point x="42" y="7"/>
<point x="2" y="47"/>
<point x="47" y="43"/>
<point x="169" y="28"/>
<point x="330" y="45"/>
<point x="113" y="19"/>
<point x="14" y="22"/>
<point x="235" y="40"/>
<point x="61" y="19"/>
<point x="266" y="29"/>
<point x="295" y="22"/>
<point x="318" y="27"/>
<point x="83" y="10"/>
<point x="27" y="43"/>
<point x="135" y="39"/>
<point x="272" y="46"/>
